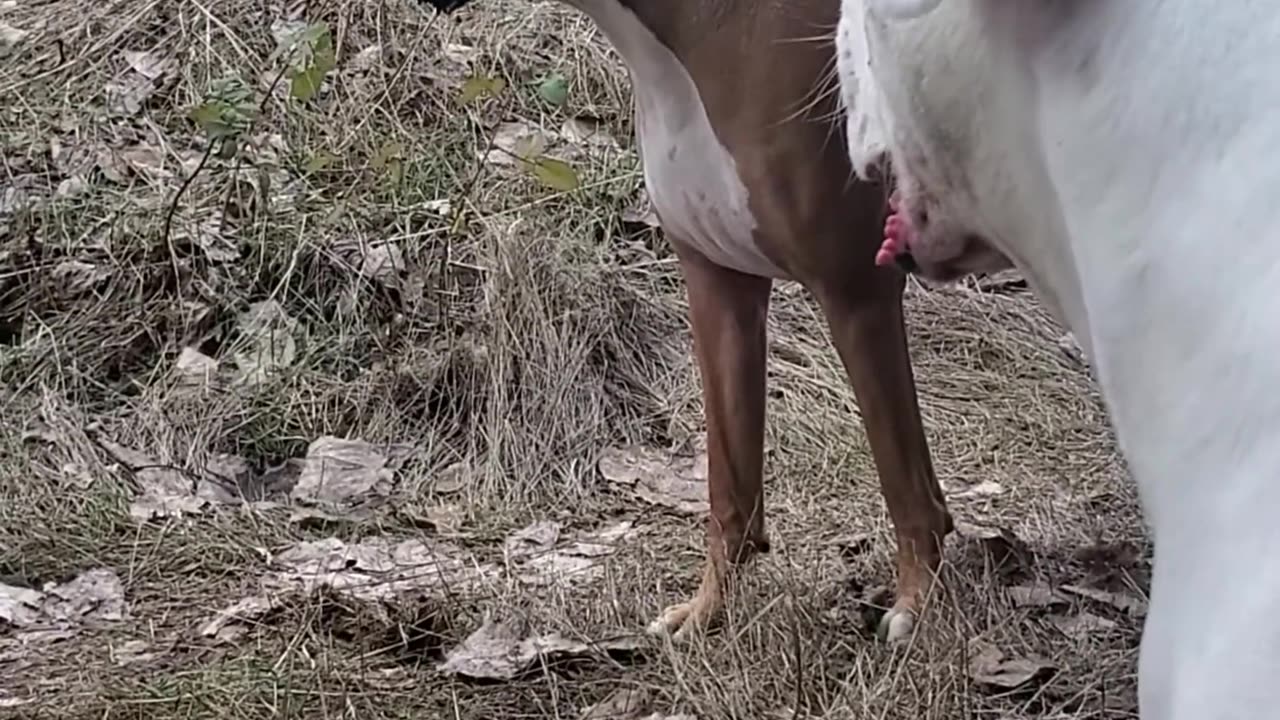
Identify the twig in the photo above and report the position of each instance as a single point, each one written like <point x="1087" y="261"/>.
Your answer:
<point x="173" y="209"/>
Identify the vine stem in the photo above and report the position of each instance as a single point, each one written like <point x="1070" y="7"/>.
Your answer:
<point x="173" y="210"/>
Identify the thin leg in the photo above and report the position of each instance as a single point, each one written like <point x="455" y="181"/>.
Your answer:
<point x="867" y="327"/>
<point x="728" y="311"/>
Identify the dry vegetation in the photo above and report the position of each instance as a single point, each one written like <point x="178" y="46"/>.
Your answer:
<point x="350" y="373"/>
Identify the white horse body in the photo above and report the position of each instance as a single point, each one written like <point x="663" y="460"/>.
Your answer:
<point x="1125" y="156"/>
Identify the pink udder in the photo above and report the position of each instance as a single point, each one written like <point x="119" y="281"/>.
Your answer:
<point x="897" y="234"/>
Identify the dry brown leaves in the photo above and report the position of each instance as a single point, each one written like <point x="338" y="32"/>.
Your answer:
<point x="506" y="650"/>
<point x="675" y="481"/>
<point x="991" y="667"/>
<point x="539" y="558"/>
<point x="31" y="618"/>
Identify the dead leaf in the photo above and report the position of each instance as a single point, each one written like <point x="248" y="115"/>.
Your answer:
<point x="621" y="704"/>
<point x="71" y="187"/>
<point x="20" y="606"/>
<point x="604" y="540"/>
<point x="986" y="488"/>
<point x="588" y="132"/>
<point x="504" y="651"/>
<point x="133" y="652"/>
<point x="990" y="666"/>
<point x="38" y="430"/>
<point x="317" y="519"/>
<point x="70" y="157"/>
<point x="539" y="536"/>
<point x="27" y="646"/>
<point x="232" y="622"/>
<point x="14" y="199"/>
<point x="1036" y="595"/>
<point x="266" y="341"/>
<point x="112" y="166"/>
<point x="1007" y="551"/>
<point x="452" y="479"/>
<point x="442" y="207"/>
<point x="459" y="53"/>
<point x="540" y="562"/>
<point x="279" y="480"/>
<point x="641" y="211"/>
<point x="379" y="568"/>
<point x="208" y="232"/>
<point x="1084" y="625"/>
<point x="658" y="477"/>
<point x="1109" y="564"/>
<point x="77" y="475"/>
<point x="146" y="161"/>
<point x="1135" y="607"/>
<point x="453" y="65"/>
<point x="164" y="491"/>
<point x="287" y="32"/>
<point x="444" y="519"/>
<point x="227" y="480"/>
<point x="515" y="141"/>
<point x="77" y="276"/>
<point x="379" y="260"/>
<point x="194" y="367"/>
<point x="149" y="64"/>
<point x="10" y="37"/>
<point x="367" y="59"/>
<point x="127" y="95"/>
<point x="341" y="474"/>
<point x="94" y="595"/>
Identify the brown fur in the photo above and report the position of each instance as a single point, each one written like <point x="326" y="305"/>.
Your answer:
<point x="764" y="70"/>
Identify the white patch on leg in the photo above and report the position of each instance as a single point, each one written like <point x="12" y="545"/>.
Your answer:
<point x="896" y="625"/>
<point x="692" y="178"/>
<point x="677" y="622"/>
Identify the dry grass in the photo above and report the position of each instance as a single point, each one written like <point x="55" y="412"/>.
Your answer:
<point x="524" y="338"/>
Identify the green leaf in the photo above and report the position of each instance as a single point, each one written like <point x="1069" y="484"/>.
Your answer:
<point x="554" y="89"/>
<point x="314" y="59"/>
<point x="230" y="146"/>
<point x="556" y="174"/>
<point x="231" y="89"/>
<point x="315" y="32"/>
<point x="390" y="159"/>
<point x="529" y="147"/>
<point x="209" y="117"/>
<point x="395" y="170"/>
<point x="318" y="161"/>
<point x="305" y="84"/>
<point x="388" y="153"/>
<point x="480" y="85"/>
<point x="323" y="56"/>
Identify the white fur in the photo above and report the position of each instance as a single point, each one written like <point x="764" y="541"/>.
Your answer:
<point x="692" y="179"/>
<point x="1125" y="155"/>
<point x="903" y="9"/>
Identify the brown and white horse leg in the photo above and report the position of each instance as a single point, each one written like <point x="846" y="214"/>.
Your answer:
<point x="866" y="321"/>
<point x="728" y="311"/>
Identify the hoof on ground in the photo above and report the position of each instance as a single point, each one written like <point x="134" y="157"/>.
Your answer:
<point x="896" y="625"/>
<point x="680" y="622"/>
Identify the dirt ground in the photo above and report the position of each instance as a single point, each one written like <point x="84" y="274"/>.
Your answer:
<point x="316" y="405"/>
